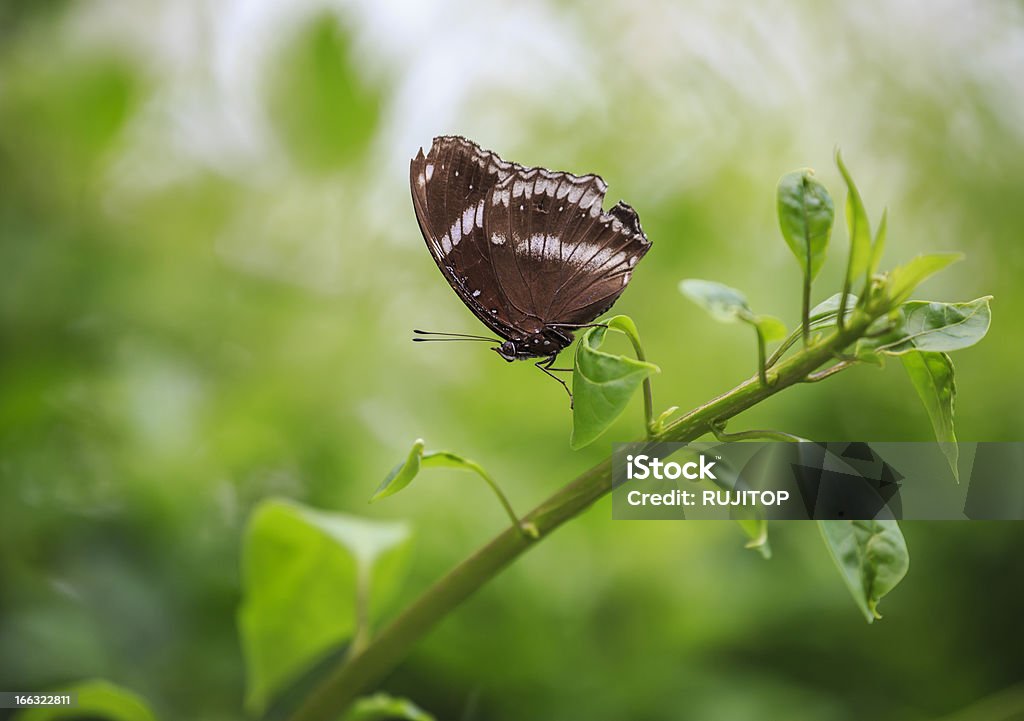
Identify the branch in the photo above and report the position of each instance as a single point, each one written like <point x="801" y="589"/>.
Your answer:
<point x="345" y="682"/>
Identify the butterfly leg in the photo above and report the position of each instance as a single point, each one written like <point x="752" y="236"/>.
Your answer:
<point x="545" y="365"/>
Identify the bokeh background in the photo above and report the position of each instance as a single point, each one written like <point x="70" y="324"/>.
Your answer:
<point x="209" y="269"/>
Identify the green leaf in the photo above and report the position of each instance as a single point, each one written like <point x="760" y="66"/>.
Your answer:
<point x="307" y="575"/>
<point x="625" y="324"/>
<point x="878" y="247"/>
<point x="871" y="557"/>
<point x="729" y="305"/>
<point x="97" y="699"/>
<point x="771" y="328"/>
<point x="381" y="707"/>
<point x="938" y="327"/>
<point x="402" y="474"/>
<point x="932" y="376"/>
<point x="806" y="214"/>
<point x="905" y="278"/>
<point x="825" y="313"/>
<point x="602" y="385"/>
<point x="830" y="307"/>
<point x="757" y="531"/>
<point x="722" y="303"/>
<point x="659" y="422"/>
<point x="857" y="226"/>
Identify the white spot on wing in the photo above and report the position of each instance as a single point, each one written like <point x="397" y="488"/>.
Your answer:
<point x="498" y="238"/>
<point x="587" y="257"/>
<point x="430" y="171"/>
<point x="456" y="232"/>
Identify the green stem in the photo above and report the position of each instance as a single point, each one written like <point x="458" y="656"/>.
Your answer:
<point x="525" y="527"/>
<point x="806" y="313"/>
<point x="345" y="682"/>
<point x="648" y="394"/>
<point x="791" y="339"/>
<point x="762" y="369"/>
<point x="361" y="636"/>
<point x="840" y="318"/>
<point x="828" y="372"/>
<point x="718" y="429"/>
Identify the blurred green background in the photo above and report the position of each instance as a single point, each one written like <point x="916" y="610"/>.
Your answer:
<point x="210" y="267"/>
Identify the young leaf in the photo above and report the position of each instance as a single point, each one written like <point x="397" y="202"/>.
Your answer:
<point x="659" y="423"/>
<point x="96" y="699"/>
<point x="402" y="474"/>
<point x="310" y="579"/>
<point x="757" y="531"/>
<point x="828" y="308"/>
<point x="878" y="247"/>
<point x="771" y="328"/>
<point x="932" y="376"/>
<point x="871" y="557"/>
<point x="626" y="325"/>
<point x="602" y="385"/>
<point x="858" y="227"/>
<point x="806" y="213"/>
<point x="904" y="279"/>
<point x="939" y="327"/>
<point x="724" y="304"/>
<point x="381" y="707"/>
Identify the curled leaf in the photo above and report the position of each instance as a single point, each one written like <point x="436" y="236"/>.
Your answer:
<point x="402" y="474"/>
<point x="602" y="384"/>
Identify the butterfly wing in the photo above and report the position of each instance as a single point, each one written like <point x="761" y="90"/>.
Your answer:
<point x="603" y="266"/>
<point x="449" y="188"/>
<point x="522" y="247"/>
<point x="558" y="256"/>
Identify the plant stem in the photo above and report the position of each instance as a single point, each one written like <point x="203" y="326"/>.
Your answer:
<point x="361" y="637"/>
<point x="345" y="682"/>
<point x="648" y="395"/>
<point x="762" y="369"/>
<point x="524" y="526"/>
<point x="719" y="432"/>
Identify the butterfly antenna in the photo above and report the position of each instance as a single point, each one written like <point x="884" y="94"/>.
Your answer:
<point x="450" y="337"/>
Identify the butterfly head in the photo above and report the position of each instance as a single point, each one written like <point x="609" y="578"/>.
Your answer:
<point x="507" y="350"/>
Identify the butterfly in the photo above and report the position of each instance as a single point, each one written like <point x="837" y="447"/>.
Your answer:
<point x="530" y="251"/>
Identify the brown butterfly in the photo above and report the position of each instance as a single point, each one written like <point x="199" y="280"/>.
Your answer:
<point x="529" y="250"/>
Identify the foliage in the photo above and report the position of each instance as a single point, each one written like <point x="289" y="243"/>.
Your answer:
<point x="207" y="263"/>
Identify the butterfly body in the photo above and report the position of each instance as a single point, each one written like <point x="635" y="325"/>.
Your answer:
<point x="530" y="251"/>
